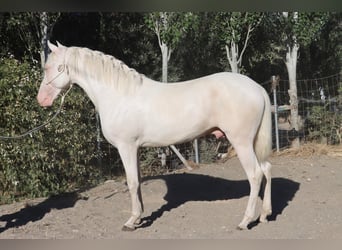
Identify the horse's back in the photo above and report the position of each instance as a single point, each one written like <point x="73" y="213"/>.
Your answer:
<point x="234" y="80"/>
<point x="233" y="88"/>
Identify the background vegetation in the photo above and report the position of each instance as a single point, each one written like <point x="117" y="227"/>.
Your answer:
<point x="66" y="155"/>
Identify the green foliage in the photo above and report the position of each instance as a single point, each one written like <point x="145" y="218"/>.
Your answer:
<point x="232" y="26"/>
<point x="208" y="149"/>
<point x="305" y="28"/>
<point x="171" y="26"/>
<point x="324" y="55"/>
<point x="125" y="36"/>
<point x="58" y="158"/>
<point x="199" y="52"/>
<point x="64" y="155"/>
<point x="325" y="123"/>
<point x="24" y="30"/>
<point x="233" y="30"/>
<point x="150" y="162"/>
<point x="301" y="28"/>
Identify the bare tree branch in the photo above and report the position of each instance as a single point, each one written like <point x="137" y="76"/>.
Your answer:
<point x="245" y="44"/>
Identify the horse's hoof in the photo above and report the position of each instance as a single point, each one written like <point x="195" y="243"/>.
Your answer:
<point x="263" y="220"/>
<point x="241" y="228"/>
<point x="263" y="216"/>
<point x="127" y="229"/>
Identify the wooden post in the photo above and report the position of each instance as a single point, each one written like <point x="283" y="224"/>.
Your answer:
<point x="180" y="156"/>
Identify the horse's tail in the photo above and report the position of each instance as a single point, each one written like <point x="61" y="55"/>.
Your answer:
<point x="263" y="139"/>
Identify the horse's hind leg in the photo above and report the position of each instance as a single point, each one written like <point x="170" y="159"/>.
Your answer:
<point x="266" y="205"/>
<point x="254" y="173"/>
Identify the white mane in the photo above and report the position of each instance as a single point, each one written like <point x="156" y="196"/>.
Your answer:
<point x="102" y="68"/>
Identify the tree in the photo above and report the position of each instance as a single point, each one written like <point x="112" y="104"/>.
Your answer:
<point x="198" y="56"/>
<point x="297" y="29"/>
<point x="43" y="31"/>
<point x="34" y="29"/>
<point x="170" y="28"/>
<point x="234" y="29"/>
<point x="324" y="55"/>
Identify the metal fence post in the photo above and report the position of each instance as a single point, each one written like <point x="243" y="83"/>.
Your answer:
<point x="275" y="82"/>
<point x="197" y="160"/>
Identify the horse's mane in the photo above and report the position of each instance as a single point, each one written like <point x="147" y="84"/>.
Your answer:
<point x="102" y="68"/>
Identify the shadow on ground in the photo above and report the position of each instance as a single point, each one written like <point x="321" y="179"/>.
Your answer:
<point x="182" y="188"/>
<point x="37" y="212"/>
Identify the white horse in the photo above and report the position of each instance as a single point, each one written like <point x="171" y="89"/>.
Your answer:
<point x="136" y="111"/>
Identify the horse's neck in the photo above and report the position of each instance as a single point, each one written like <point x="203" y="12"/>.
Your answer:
<point x="92" y="89"/>
<point x="103" y="92"/>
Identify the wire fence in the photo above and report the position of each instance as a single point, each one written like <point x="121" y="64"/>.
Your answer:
<point x="320" y="116"/>
<point x="319" y="110"/>
<point x="42" y="163"/>
<point x="161" y="159"/>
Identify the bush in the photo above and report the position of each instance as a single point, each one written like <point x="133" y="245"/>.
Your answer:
<point x="64" y="155"/>
<point x="58" y="158"/>
<point x="325" y="122"/>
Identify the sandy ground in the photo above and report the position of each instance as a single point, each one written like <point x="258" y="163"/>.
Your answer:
<point x="207" y="202"/>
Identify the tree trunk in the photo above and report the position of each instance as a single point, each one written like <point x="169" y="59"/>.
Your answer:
<point x="232" y="56"/>
<point x="44" y="38"/>
<point x="291" y="65"/>
<point x="166" y="53"/>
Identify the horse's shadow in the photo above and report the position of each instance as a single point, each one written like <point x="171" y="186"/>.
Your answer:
<point x="37" y="212"/>
<point x="182" y="188"/>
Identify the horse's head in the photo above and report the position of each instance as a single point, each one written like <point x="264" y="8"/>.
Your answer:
<point x="56" y="76"/>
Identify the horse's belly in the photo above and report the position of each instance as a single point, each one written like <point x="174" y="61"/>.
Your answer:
<point x="172" y="134"/>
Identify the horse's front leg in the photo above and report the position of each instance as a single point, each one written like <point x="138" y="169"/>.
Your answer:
<point x="129" y="157"/>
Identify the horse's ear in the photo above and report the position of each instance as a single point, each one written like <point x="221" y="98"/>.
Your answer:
<point x="60" y="45"/>
<point x="52" y="47"/>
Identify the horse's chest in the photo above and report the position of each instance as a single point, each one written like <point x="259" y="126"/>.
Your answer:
<point x="119" y="125"/>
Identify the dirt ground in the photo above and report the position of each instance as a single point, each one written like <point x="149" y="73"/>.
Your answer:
<point x="207" y="202"/>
